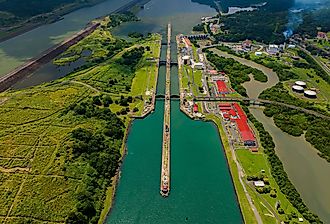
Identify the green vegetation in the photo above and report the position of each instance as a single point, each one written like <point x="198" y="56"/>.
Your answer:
<point x="279" y="173"/>
<point x="61" y="142"/>
<point x="258" y="25"/>
<point x="237" y="72"/>
<point x="199" y="28"/>
<point x="256" y="167"/>
<point x="314" y="21"/>
<point x="313" y="64"/>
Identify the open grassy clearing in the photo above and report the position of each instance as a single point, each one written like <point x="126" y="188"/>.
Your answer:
<point x="39" y="172"/>
<point x="253" y="164"/>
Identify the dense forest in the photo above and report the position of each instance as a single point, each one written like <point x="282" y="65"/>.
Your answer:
<point x="278" y="172"/>
<point x="272" y="5"/>
<point x="100" y="149"/>
<point x="237" y="72"/>
<point x="314" y="21"/>
<point x="260" y="25"/>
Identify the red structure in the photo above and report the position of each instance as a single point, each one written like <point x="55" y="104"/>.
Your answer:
<point x="195" y="109"/>
<point x="222" y="87"/>
<point x="235" y="113"/>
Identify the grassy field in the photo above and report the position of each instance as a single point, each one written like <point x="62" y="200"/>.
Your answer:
<point x="253" y="164"/>
<point x="39" y="178"/>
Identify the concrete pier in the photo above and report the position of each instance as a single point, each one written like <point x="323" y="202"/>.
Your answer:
<point x="166" y="152"/>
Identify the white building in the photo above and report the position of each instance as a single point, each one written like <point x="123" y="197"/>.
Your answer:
<point x="273" y="49"/>
<point x="259" y="183"/>
<point x="198" y="65"/>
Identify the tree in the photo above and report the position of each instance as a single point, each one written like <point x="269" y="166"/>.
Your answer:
<point x="107" y="100"/>
<point x="97" y="100"/>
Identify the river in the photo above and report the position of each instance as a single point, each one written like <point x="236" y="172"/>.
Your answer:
<point x="308" y="172"/>
<point x="253" y="87"/>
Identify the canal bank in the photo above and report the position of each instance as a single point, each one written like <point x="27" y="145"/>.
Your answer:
<point x="296" y="153"/>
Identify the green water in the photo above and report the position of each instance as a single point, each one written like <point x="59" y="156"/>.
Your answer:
<point x="201" y="187"/>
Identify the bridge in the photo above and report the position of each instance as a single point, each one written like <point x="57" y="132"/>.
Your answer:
<point x="259" y="102"/>
<point x="164" y="62"/>
<point x="162" y="96"/>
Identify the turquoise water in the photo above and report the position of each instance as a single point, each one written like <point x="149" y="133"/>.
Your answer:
<point x="201" y="187"/>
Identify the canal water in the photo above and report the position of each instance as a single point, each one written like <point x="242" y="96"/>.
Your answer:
<point x="201" y="186"/>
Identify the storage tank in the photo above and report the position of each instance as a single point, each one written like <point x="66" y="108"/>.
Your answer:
<point x="310" y="94"/>
<point x="300" y="83"/>
<point x="298" y="89"/>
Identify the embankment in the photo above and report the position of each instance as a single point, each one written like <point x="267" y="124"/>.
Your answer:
<point x="12" y="77"/>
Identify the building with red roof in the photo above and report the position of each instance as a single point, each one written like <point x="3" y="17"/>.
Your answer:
<point x="225" y="106"/>
<point x="245" y="132"/>
<point x="322" y="35"/>
<point x="222" y="87"/>
<point x="212" y="72"/>
<point x="243" y="127"/>
<point x="187" y="42"/>
<point x="234" y="112"/>
<point x="195" y="108"/>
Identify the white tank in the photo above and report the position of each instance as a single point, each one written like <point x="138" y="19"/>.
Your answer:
<point x="298" y="89"/>
<point x="300" y="83"/>
<point x="310" y="94"/>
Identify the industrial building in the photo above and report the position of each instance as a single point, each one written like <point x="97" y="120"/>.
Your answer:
<point x="222" y="87"/>
<point x="233" y="112"/>
<point x="273" y="49"/>
<point x="186" y="60"/>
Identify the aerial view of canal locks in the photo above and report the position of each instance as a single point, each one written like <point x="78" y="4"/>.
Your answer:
<point x="152" y="111"/>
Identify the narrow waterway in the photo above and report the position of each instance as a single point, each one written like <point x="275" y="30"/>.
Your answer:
<point x="253" y="87"/>
<point x="201" y="187"/>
